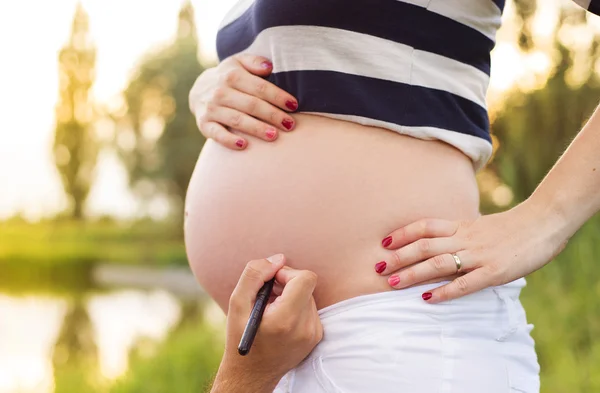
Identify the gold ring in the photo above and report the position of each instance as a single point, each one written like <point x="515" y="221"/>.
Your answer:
<point x="458" y="262"/>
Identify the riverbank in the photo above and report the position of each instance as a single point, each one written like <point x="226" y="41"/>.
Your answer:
<point x="68" y="243"/>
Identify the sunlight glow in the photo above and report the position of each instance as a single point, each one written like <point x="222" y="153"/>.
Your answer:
<point x="504" y="73"/>
<point x="121" y="318"/>
<point x="123" y="31"/>
<point x="29" y="328"/>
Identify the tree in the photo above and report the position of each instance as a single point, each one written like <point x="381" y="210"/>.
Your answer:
<point x="162" y="141"/>
<point x="75" y="355"/>
<point x="75" y="149"/>
<point x="534" y="127"/>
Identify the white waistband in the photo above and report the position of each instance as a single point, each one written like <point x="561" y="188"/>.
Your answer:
<point x="511" y="289"/>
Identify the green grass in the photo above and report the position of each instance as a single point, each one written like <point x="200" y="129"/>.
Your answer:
<point x="63" y="243"/>
<point x="562" y="300"/>
<point x="185" y="363"/>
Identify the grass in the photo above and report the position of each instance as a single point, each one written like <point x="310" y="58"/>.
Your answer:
<point x="562" y="300"/>
<point x="186" y="362"/>
<point x="59" y="256"/>
<point x="66" y="243"/>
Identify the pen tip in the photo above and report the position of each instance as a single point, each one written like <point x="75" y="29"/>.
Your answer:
<point x="243" y="351"/>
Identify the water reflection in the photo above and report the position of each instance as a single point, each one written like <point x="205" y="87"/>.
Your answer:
<point x="44" y="336"/>
<point x="121" y="318"/>
<point x="29" y="327"/>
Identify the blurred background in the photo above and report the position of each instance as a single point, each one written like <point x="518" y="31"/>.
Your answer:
<point x="97" y="146"/>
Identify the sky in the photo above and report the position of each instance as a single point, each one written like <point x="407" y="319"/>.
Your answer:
<point x="31" y="34"/>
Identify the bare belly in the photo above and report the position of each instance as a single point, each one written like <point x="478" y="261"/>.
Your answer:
<point x="324" y="195"/>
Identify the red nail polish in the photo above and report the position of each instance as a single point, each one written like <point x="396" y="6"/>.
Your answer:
<point x="288" y="124"/>
<point x="394" y="280"/>
<point x="266" y="64"/>
<point x="291" y="105"/>
<point x="239" y="143"/>
<point x="271" y="133"/>
<point x="426" y="296"/>
<point x="387" y="241"/>
<point x="380" y="267"/>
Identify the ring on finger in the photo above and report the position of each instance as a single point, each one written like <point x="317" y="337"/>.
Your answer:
<point x="458" y="262"/>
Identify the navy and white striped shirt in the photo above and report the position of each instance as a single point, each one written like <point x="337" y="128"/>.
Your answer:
<point x="417" y="67"/>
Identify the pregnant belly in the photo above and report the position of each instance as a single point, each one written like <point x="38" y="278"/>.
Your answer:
<point x="324" y="195"/>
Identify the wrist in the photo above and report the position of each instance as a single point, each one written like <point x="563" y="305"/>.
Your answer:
<point x="238" y="377"/>
<point x="549" y="217"/>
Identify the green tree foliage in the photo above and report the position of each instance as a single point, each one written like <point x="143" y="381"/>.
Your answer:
<point x="75" y="150"/>
<point x="163" y="139"/>
<point x="525" y="11"/>
<point x="562" y="301"/>
<point x="535" y="127"/>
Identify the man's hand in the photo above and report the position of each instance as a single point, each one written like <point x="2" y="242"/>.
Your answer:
<point x="289" y="330"/>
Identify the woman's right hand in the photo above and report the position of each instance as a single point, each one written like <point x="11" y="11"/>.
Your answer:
<point x="235" y="94"/>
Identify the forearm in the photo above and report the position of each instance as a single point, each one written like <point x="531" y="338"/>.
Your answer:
<point x="570" y="193"/>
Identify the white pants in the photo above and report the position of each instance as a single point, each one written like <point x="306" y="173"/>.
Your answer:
<point x="394" y="342"/>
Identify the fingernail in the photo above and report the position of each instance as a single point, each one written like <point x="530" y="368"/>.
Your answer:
<point x="291" y="105"/>
<point x="239" y="143"/>
<point x="394" y="280"/>
<point x="288" y="124"/>
<point x="271" y="133"/>
<point x="387" y="241"/>
<point x="380" y="267"/>
<point x="275" y="259"/>
<point x="426" y="296"/>
<point x="266" y="64"/>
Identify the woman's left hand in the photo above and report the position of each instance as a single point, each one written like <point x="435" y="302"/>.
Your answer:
<point x="493" y="250"/>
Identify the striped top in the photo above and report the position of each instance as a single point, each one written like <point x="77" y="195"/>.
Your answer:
<point x="590" y="5"/>
<point x="417" y="67"/>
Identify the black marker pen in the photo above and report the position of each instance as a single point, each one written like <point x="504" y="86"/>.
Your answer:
<point x="255" y="317"/>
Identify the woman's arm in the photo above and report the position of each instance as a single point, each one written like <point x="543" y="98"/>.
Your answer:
<point x="500" y="248"/>
<point x="570" y="193"/>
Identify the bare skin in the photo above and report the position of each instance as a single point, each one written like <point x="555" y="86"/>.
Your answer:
<point x="324" y="194"/>
<point x="493" y="250"/>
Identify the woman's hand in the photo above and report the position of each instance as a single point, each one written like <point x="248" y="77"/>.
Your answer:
<point x="289" y="330"/>
<point x="493" y="250"/>
<point x="234" y="94"/>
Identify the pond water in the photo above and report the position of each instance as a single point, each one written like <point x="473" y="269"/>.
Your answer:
<point x="117" y="310"/>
